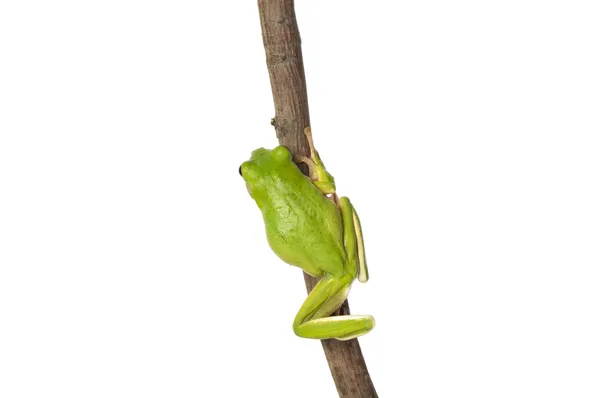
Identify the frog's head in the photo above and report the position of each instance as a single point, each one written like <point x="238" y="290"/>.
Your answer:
<point x="260" y="171"/>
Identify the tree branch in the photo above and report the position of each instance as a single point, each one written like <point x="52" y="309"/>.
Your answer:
<point x="281" y="39"/>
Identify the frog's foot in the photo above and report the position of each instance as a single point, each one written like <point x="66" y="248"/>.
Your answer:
<point x="313" y="320"/>
<point x="313" y="152"/>
<point x="314" y="155"/>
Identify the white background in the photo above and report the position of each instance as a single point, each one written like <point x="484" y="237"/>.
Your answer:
<point x="133" y="263"/>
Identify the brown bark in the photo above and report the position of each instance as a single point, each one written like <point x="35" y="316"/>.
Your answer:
<point x="281" y="39"/>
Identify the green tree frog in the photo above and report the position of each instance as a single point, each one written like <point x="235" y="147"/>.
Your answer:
<point x="308" y="226"/>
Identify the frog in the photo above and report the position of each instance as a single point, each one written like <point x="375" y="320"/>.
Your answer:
<point x="310" y="227"/>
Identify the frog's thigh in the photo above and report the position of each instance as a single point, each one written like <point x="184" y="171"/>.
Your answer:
<point x="353" y="240"/>
<point x="326" y="297"/>
<point x="342" y="327"/>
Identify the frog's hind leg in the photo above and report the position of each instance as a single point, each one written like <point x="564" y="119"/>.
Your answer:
<point x="353" y="241"/>
<point x="313" y="320"/>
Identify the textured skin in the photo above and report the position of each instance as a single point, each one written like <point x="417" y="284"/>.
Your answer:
<point x="304" y="228"/>
<point x="307" y="229"/>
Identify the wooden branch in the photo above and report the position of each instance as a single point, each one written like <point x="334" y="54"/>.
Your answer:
<point x="281" y="39"/>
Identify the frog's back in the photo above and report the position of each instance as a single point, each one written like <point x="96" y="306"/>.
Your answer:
<point x="304" y="228"/>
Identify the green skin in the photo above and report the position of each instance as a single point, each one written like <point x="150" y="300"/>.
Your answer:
<point x="309" y="227"/>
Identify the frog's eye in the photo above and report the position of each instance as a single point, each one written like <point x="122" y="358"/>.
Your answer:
<point x="248" y="171"/>
<point x="281" y="153"/>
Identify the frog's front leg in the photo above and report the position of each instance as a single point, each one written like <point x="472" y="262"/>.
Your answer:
<point x="313" y="320"/>
<point x="316" y="168"/>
